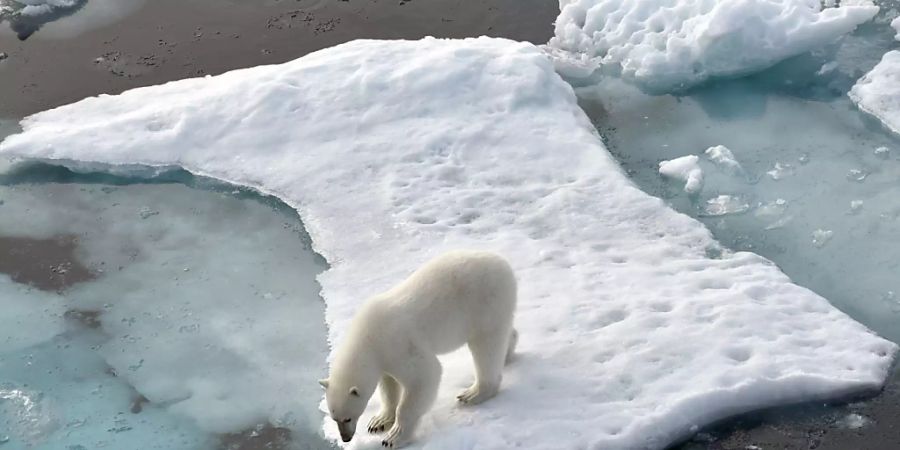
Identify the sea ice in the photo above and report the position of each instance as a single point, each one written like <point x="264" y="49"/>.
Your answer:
<point x="681" y="43"/>
<point x="878" y="92"/>
<point x="895" y="24"/>
<point x="394" y="151"/>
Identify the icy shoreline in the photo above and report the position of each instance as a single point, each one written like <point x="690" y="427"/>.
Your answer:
<point x="629" y="328"/>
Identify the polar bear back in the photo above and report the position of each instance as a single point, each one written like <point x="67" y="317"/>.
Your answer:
<point x="452" y="299"/>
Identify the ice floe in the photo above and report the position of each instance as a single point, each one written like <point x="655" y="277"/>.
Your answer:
<point x="676" y="44"/>
<point x="636" y="327"/>
<point x="878" y="92"/>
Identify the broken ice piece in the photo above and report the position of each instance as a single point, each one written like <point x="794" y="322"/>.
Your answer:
<point x="724" y="205"/>
<point x="821" y="237"/>
<point x="781" y="170"/>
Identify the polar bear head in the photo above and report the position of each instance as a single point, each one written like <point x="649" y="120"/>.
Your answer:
<point x="346" y="402"/>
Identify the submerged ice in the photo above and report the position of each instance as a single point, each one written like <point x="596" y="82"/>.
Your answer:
<point x="636" y="326"/>
<point x="202" y="322"/>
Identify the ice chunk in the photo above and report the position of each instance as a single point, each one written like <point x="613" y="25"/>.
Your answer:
<point x="780" y="171"/>
<point x="883" y="152"/>
<point x="821" y="237"/>
<point x="394" y="151"/>
<point x="685" y="169"/>
<point x="878" y="92"/>
<point x="723" y="157"/>
<point x="721" y="205"/>
<point x="895" y="24"/>
<point x="684" y="42"/>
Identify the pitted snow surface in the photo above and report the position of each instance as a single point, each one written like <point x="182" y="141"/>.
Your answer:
<point x="635" y="327"/>
<point x="675" y="44"/>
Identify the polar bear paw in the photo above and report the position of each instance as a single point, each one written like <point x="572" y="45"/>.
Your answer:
<point x="476" y="394"/>
<point x="394" y="437"/>
<point x="381" y="422"/>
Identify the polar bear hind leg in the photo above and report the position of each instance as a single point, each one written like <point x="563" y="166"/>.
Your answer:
<point x="490" y="352"/>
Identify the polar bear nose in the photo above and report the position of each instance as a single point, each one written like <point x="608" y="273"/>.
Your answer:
<point x="347" y="430"/>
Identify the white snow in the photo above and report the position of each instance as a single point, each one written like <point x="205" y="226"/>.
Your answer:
<point x="631" y="336"/>
<point x="40" y="7"/>
<point x="878" y="92"/>
<point x="678" y="43"/>
<point x="895" y="24"/>
<point x="685" y="168"/>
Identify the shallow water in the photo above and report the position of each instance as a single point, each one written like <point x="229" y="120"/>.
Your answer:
<point x="200" y="326"/>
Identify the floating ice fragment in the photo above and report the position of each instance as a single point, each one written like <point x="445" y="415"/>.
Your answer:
<point x="854" y="421"/>
<point x="781" y="170"/>
<point x="821" y="237"/>
<point x="723" y="157"/>
<point x="883" y="152"/>
<point x="725" y="204"/>
<point x="686" y="169"/>
<point x="857" y="175"/>
<point x="855" y="206"/>
<point x="771" y="209"/>
<point x="895" y="24"/>
<point x="827" y="68"/>
<point x="27" y="415"/>
<point x="803" y="158"/>
<point x="146" y="212"/>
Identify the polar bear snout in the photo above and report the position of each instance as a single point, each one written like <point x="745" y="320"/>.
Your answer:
<point x="347" y="429"/>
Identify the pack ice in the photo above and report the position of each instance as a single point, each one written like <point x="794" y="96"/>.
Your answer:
<point x="636" y="327"/>
<point x="675" y="44"/>
<point x="878" y="92"/>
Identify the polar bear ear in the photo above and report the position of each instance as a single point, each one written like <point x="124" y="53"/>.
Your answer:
<point x="354" y="391"/>
<point x="324" y="382"/>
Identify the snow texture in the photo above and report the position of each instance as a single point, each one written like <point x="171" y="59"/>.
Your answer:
<point x="675" y="44"/>
<point x="685" y="168"/>
<point x="878" y="92"/>
<point x="392" y="152"/>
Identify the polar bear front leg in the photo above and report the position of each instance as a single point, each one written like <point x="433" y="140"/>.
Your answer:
<point x="420" y="381"/>
<point x="390" y="398"/>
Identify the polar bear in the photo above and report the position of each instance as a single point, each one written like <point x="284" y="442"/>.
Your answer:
<point x="461" y="297"/>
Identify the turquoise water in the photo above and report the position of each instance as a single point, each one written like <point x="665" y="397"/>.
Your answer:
<point x="202" y="328"/>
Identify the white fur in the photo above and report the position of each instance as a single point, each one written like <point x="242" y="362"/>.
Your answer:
<point x="461" y="297"/>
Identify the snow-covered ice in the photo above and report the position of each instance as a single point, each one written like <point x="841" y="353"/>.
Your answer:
<point x="686" y="169"/>
<point x="636" y="326"/>
<point x="39" y="7"/>
<point x="878" y="92"/>
<point x="676" y="44"/>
